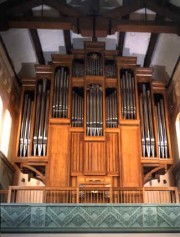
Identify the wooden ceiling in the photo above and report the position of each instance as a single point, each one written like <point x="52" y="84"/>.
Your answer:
<point x="95" y="23"/>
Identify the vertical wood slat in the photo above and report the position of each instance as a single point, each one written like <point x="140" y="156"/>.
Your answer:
<point x="94" y="158"/>
<point x="112" y="152"/>
<point x="77" y="152"/>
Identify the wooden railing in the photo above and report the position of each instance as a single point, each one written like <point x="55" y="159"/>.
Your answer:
<point x="92" y="195"/>
<point x="3" y="196"/>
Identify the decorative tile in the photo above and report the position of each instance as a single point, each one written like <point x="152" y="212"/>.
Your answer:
<point x="150" y="216"/>
<point x="89" y="218"/>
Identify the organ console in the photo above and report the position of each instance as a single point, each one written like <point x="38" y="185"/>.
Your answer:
<point x="90" y="116"/>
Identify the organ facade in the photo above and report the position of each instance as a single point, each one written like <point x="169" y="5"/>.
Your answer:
<point x="93" y="118"/>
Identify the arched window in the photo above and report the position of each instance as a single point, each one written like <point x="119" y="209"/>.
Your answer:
<point x="1" y="114"/>
<point x="6" y="133"/>
<point x="178" y="131"/>
<point x="1" y="109"/>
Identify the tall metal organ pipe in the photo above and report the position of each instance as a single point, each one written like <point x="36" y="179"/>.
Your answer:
<point x="94" y="110"/>
<point x="128" y="101"/>
<point x="60" y="93"/>
<point x="24" y="143"/>
<point x="41" y="118"/>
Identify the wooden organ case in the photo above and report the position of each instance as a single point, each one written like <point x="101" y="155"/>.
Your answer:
<point x="93" y="118"/>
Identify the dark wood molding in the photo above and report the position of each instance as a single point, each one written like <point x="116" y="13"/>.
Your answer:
<point x="67" y="41"/>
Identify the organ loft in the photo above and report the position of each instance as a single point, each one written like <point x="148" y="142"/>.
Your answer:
<point x="93" y="127"/>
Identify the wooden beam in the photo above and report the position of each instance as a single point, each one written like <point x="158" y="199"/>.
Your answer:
<point x="174" y="70"/>
<point x="64" y="23"/>
<point x="67" y="41"/>
<point x="10" y="61"/>
<point x="25" y="6"/>
<point x="152" y="44"/>
<point x="121" y="42"/>
<point x="119" y="12"/>
<point x="145" y="26"/>
<point x="150" y="50"/>
<point x="36" y="42"/>
<point x="37" y="45"/>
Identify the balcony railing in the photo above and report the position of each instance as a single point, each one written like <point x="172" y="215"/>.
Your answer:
<point x="3" y="196"/>
<point x="149" y="195"/>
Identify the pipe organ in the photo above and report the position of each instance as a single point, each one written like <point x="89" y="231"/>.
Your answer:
<point x="93" y="118"/>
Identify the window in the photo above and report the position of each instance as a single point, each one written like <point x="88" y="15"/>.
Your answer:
<point x="1" y="114"/>
<point x="6" y="129"/>
<point x="178" y="131"/>
<point x="1" y="109"/>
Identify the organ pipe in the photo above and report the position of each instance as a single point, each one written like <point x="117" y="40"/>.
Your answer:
<point x="146" y="116"/>
<point x="77" y="107"/>
<point x="60" y="94"/>
<point x="94" y="64"/>
<point x="94" y="110"/>
<point x="128" y="101"/>
<point x="161" y="126"/>
<point x="41" y="118"/>
<point x="24" y="143"/>
<point x="111" y="108"/>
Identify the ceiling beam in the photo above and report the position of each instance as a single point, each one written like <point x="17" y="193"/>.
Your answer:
<point x="150" y="50"/>
<point x="145" y="26"/>
<point x="64" y="23"/>
<point x="174" y="70"/>
<point x="26" y="5"/>
<point x="121" y="41"/>
<point x="69" y="23"/>
<point x="37" y="45"/>
<point x="36" y="42"/>
<point x="152" y="44"/>
<point x="67" y="41"/>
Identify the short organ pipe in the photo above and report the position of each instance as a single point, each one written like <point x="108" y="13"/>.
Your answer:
<point x="111" y="108"/>
<point x="77" y="107"/>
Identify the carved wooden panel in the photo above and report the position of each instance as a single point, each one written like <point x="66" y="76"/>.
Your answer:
<point x="77" y="153"/>
<point x="94" y="155"/>
<point x="112" y="153"/>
